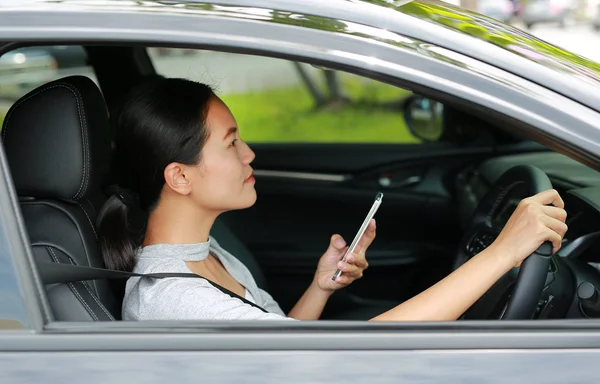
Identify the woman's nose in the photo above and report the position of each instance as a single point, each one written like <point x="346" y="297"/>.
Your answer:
<point x="249" y="154"/>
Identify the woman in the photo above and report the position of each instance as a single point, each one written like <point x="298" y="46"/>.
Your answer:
<point x="180" y="163"/>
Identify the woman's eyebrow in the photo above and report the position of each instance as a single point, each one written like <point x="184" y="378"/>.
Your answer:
<point x="230" y="132"/>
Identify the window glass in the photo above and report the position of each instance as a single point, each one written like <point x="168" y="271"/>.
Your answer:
<point x="279" y="101"/>
<point x="24" y="69"/>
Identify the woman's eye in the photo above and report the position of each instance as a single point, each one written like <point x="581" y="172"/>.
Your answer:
<point x="233" y="143"/>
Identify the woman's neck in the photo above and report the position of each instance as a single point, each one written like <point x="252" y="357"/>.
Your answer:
<point x="173" y="223"/>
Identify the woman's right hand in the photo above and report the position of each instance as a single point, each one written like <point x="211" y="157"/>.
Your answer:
<point x="536" y="219"/>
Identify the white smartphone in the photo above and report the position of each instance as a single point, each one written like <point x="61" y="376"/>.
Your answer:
<point x="361" y="230"/>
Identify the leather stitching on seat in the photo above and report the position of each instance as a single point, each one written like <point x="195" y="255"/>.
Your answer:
<point x="94" y="296"/>
<point x="89" y="220"/>
<point x="84" y="179"/>
<point x="83" y="127"/>
<point x="68" y="214"/>
<point x="74" y="289"/>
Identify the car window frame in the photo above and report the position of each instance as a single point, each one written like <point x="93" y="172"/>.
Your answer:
<point x="27" y="292"/>
<point x="176" y="29"/>
<point x="387" y="70"/>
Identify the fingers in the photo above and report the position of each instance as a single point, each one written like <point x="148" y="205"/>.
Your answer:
<point x="350" y="270"/>
<point x="553" y="218"/>
<point x="555" y="231"/>
<point x="548" y="197"/>
<point x="359" y="260"/>
<point x="344" y="279"/>
<point x="337" y="242"/>
<point x="367" y="238"/>
<point x="555" y="212"/>
<point x="555" y="225"/>
<point x="554" y="238"/>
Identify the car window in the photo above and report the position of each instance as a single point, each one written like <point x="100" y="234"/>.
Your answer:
<point x="281" y="101"/>
<point x="24" y="69"/>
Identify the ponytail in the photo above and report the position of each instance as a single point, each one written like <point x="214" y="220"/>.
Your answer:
<point x="119" y="235"/>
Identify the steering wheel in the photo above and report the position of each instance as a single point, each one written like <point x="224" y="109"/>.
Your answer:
<point x="508" y="298"/>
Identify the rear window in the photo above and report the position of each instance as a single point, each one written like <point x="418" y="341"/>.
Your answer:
<point x="24" y="69"/>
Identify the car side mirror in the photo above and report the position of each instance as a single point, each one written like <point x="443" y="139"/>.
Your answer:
<point x="424" y="118"/>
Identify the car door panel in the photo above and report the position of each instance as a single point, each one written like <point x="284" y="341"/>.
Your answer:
<point x="458" y="355"/>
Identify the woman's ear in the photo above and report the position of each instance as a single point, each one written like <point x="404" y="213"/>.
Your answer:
<point x="176" y="180"/>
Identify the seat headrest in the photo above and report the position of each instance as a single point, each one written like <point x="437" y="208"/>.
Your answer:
<point x="57" y="140"/>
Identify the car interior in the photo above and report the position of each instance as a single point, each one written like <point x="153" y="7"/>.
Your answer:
<point x="58" y="141"/>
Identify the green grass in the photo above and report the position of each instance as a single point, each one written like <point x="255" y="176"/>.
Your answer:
<point x="2" y="115"/>
<point x="288" y="115"/>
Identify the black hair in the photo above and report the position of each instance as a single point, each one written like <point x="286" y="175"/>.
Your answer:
<point x="160" y="121"/>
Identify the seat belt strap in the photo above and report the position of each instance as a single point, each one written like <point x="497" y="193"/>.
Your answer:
<point x="55" y="273"/>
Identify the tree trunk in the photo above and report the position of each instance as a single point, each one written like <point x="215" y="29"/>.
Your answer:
<point x="317" y="96"/>
<point x="333" y="85"/>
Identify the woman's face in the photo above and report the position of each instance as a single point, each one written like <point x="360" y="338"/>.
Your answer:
<point x="223" y="178"/>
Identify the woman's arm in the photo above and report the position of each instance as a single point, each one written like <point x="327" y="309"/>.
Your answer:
<point x="537" y="219"/>
<point x="311" y="304"/>
<point x="452" y="296"/>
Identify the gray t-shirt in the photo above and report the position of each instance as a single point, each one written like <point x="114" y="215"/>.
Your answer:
<point x="190" y="298"/>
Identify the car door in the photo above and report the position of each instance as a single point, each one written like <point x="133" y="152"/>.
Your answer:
<point x="551" y="351"/>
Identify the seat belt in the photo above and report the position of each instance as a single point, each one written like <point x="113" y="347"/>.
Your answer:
<point x="55" y="273"/>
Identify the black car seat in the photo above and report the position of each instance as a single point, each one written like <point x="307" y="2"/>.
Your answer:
<point x="57" y="143"/>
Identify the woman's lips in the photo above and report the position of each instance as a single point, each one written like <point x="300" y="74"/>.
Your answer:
<point x="250" y="178"/>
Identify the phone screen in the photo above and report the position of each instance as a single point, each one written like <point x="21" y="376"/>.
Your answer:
<point x="361" y="230"/>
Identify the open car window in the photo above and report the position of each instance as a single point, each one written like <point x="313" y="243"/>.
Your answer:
<point x="283" y="101"/>
<point x="433" y="161"/>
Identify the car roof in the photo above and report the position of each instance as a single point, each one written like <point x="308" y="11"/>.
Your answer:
<point x="460" y="30"/>
<point x="428" y="21"/>
<point x="377" y="13"/>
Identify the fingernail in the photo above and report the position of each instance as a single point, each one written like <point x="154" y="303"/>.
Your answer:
<point x="349" y="258"/>
<point x="374" y="223"/>
<point x="342" y="265"/>
<point x="339" y="243"/>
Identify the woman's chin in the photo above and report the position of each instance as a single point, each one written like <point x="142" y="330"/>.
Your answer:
<point x="252" y="198"/>
<point x="247" y="200"/>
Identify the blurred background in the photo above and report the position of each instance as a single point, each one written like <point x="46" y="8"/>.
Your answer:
<point x="277" y="100"/>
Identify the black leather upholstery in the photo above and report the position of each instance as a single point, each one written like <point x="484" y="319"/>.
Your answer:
<point x="58" y="147"/>
<point x="57" y="140"/>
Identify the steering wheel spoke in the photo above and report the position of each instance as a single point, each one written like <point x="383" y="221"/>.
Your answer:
<point x="480" y="241"/>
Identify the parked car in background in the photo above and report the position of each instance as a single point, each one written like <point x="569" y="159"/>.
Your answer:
<point x="561" y="12"/>
<point x="66" y="56"/>
<point x="23" y="69"/>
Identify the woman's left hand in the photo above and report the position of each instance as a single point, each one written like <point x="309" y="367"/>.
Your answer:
<point x="352" y="268"/>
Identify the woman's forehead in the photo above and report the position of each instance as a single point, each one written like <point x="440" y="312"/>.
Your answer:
<point x="219" y="118"/>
